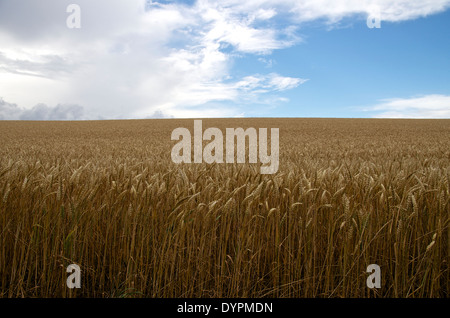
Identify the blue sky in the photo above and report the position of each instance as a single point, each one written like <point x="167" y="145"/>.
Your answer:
<point x="352" y="67"/>
<point x="229" y="58"/>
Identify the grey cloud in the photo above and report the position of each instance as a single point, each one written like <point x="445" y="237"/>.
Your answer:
<point x="45" y="20"/>
<point x="9" y="111"/>
<point x="50" y="66"/>
<point x="29" y="20"/>
<point x="59" y="112"/>
<point x="158" y="114"/>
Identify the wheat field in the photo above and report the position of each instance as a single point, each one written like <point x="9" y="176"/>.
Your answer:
<point x="105" y="195"/>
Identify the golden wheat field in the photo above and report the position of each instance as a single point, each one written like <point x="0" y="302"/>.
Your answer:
<point x="106" y="195"/>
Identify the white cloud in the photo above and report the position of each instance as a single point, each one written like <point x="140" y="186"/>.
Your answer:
<point x="225" y="25"/>
<point x="282" y="83"/>
<point x="334" y="10"/>
<point x="129" y="61"/>
<point x="270" y="82"/>
<point x="428" y="106"/>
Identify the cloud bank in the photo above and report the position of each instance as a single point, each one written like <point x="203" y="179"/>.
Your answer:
<point x="10" y="111"/>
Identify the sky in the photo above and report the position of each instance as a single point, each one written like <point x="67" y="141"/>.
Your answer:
<point x="135" y="59"/>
